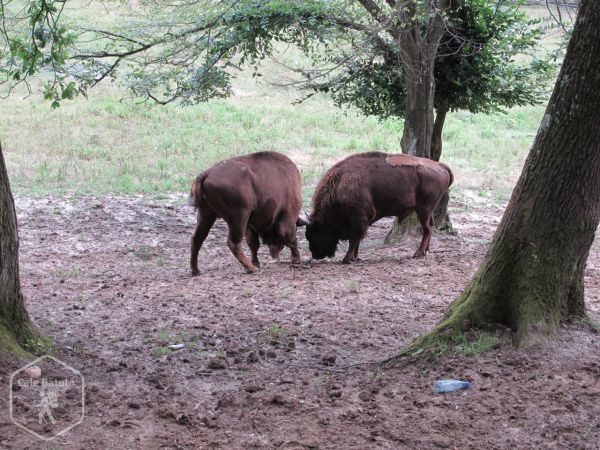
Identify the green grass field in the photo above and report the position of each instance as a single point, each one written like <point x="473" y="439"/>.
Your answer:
<point x="105" y="144"/>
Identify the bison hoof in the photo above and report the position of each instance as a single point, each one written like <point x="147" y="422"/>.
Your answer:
<point x="419" y="254"/>
<point x="296" y="260"/>
<point x="195" y="272"/>
<point x="251" y="269"/>
<point x="346" y="261"/>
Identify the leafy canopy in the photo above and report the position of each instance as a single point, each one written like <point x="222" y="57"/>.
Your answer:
<point x="187" y="51"/>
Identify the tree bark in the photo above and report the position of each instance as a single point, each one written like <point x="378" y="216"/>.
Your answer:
<point x="418" y="117"/>
<point x="440" y="215"/>
<point x="15" y="325"/>
<point x="532" y="277"/>
<point x="418" y="62"/>
<point x="436" y="134"/>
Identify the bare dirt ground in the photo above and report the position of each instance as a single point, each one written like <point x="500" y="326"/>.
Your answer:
<point x="274" y="360"/>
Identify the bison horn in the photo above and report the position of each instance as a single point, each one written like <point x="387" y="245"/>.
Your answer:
<point x="303" y="219"/>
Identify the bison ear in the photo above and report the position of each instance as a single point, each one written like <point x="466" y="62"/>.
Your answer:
<point x="303" y="219"/>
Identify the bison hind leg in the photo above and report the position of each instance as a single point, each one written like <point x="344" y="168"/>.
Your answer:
<point x="287" y="229"/>
<point x="426" y="220"/>
<point x="234" y="242"/>
<point x="205" y="222"/>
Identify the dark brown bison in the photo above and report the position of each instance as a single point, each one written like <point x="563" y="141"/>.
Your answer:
<point x="256" y="195"/>
<point x="363" y="188"/>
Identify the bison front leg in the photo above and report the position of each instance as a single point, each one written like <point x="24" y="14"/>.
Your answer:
<point x="352" y="253"/>
<point x="287" y="229"/>
<point x="234" y="242"/>
<point x="253" y="243"/>
<point x="205" y="222"/>
<point x="293" y="246"/>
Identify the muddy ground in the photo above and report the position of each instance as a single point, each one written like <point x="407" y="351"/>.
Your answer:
<point x="277" y="359"/>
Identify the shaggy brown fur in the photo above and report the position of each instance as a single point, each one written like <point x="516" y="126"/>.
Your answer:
<point x="366" y="187"/>
<point x="256" y="195"/>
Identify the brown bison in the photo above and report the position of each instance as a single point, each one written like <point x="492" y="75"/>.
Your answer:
<point x="256" y="195"/>
<point x="363" y="188"/>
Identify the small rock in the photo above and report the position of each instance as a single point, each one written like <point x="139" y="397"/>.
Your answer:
<point x="34" y="372"/>
<point x="328" y="360"/>
<point x="209" y="422"/>
<point x="182" y="419"/>
<point x="365" y="396"/>
<point x="278" y="399"/>
<point x="232" y="349"/>
<point x="217" y="364"/>
<point x="252" y="388"/>
<point x="252" y="357"/>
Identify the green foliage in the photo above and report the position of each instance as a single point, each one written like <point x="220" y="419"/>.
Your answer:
<point x="481" y="66"/>
<point x="162" y="350"/>
<point x="486" y="62"/>
<point x="188" y="51"/>
<point x="275" y="331"/>
<point x="38" y="345"/>
<point x="33" y="39"/>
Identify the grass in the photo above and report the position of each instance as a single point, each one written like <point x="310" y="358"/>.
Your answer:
<point x="592" y="323"/>
<point x="104" y="144"/>
<point x="275" y="331"/>
<point x="39" y="345"/>
<point x="162" y="350"/>
<point x="467" y="344"/>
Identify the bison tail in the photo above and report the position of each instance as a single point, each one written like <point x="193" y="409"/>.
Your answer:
<point x="449" y="172"/>
<point x="196" y="191"/>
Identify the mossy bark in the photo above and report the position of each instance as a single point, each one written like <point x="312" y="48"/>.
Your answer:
<point x="532" y="278"/>
<point x="15" y="325"/>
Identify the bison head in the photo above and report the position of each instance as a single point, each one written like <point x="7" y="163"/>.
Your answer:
<point x="322" y="240"/>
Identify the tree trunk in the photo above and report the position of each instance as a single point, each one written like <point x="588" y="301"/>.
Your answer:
<point x="532" y="277"/>
<point x="440" y="215"/>
<point x="418" y="62"/>
<point x="436" y="134"/>
<point x="418" y="116"/>
<point x="15" y="326"/>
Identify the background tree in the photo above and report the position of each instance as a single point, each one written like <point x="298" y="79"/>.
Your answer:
<point x="379" y="55"/>
<point x="22" y="54"/>
<point x="486" y="63"/>
<point x="532" y="278"/>
<point x="15" y="326"/>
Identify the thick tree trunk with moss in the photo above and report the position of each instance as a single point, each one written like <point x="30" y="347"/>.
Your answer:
<point x="532" y="277"/>
<point x="15" y="326"/>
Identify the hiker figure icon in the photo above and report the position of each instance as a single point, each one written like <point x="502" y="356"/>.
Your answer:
<point x="48" y="401"/>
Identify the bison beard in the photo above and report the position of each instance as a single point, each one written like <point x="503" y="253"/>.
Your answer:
<point x="366" y="187"/>
<point x="257" y="195"/>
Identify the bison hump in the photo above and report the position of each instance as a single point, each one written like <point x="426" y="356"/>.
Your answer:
<point x="414" y="162"/>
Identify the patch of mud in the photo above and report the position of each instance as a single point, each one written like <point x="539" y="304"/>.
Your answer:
<point x="277" y="359"/>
